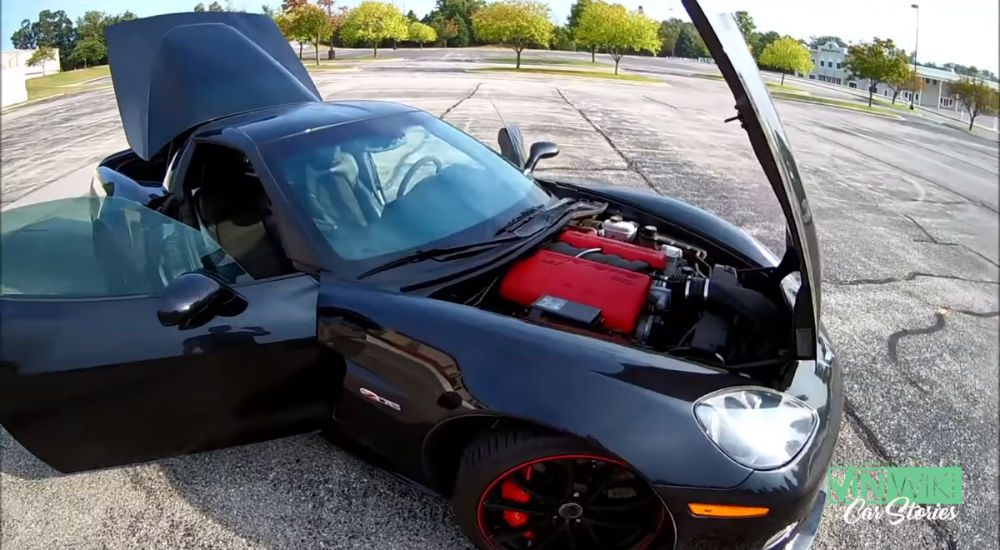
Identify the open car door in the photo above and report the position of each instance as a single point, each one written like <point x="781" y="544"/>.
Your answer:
<point x="94" y="372"/>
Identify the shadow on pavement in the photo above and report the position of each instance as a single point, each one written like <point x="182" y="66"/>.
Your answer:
<point x="304" y="492"/>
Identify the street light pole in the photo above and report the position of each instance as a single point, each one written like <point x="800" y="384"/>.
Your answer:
<point x="916" y="42"/>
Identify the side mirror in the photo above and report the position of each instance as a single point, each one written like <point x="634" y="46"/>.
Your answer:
<point x="193" y="299"/>
<point x="540" y="150"/>
<point x="511" y="145"/>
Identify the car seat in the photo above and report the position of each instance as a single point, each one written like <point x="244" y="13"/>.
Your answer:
<point x="236" y="213"/>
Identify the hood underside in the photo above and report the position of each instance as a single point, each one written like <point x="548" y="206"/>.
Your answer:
<point x="174" y="72"/>
<point x="770" y="144"/>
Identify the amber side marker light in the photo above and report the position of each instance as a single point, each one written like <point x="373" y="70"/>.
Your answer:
<point x="727" y="511"/>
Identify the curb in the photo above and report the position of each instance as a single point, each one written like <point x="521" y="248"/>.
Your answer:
<point x="892" y="116"/>
<point x="33" y="102"/>
<point x="50" y="98"/>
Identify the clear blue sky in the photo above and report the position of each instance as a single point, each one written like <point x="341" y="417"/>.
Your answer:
<point x="961" y="31"/>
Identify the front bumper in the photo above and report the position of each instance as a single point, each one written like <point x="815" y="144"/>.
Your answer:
<point x="791" y="526"/>
<point x="794" y="494"/>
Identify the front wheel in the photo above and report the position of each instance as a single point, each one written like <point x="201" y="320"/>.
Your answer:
<point x="519" y="491"/>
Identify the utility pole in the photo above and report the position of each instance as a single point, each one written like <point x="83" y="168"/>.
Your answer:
<point x="916" y="42"/>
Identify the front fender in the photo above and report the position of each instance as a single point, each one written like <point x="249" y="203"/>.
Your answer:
<point x="634" y="404"/>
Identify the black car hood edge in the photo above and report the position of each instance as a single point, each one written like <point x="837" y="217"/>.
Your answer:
<point x="770" y="144"/>
<point x="173" y="72"/>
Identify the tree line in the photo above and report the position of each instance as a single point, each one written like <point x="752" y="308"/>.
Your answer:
<point x="592" y="25"/>
<point x="517" y="24"/>
<point x="79" y="45"/>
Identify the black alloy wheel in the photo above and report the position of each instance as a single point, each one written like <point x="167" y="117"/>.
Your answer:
<point x="552" y="493"/>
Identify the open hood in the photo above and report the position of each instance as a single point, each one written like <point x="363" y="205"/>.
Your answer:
<point x="173" y="72"/>
<point x="770" y="144"/>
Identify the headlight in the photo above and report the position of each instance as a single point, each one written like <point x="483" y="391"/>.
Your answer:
<point x="758" y="427"/>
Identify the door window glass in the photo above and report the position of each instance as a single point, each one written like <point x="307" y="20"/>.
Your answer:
<point x="91" y="247"/>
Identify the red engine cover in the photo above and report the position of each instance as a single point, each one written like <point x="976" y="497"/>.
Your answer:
<point x="655" y="258"/>
<point x="619" y="293"/>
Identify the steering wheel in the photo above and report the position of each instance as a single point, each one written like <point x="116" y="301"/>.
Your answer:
<point x="404" y="185"/>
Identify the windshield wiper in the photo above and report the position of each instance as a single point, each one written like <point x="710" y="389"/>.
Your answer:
<point x="528" y="214"/>
<point x="442" y="253"/>
<point x="445" y="254"/>
<point x="520" y="218"/>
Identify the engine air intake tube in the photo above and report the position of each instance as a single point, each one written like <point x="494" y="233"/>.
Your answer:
<point x="724" y="296"/>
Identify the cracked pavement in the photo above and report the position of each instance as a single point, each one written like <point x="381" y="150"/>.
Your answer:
<point x="907" y="218"/>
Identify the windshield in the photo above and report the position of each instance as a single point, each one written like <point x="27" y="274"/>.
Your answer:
<point x="381" y="188"/>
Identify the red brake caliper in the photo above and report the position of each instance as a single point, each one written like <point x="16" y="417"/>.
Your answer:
<point x="511" y="492"/>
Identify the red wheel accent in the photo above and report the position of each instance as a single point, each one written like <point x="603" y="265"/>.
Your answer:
<point x="510" y="491"/>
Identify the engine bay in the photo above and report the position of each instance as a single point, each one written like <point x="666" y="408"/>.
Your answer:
<point x="612" y="278"/>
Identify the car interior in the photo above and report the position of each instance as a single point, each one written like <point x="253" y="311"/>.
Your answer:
<point x="337" y="190"/>
<point x="231" y="207"/>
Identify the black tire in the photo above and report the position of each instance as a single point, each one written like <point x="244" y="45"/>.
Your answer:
<point x="496" y="455"/>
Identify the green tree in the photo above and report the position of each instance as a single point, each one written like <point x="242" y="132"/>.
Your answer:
<point x="575" y="11"/>
<point x="747" y="27"/>
<point x="115" y="19"/>
<point x="761" y="41"/>
<point x="787" y="55"/>
<point x="199" y="7"/>
<point x="817" y="41"/>
<point x="460" y="11"/>
<point x="421" y="33"/>
<point x="977" y="98"/>
<point x="267" y="10"/>
<point x="373" y="22"/>
<point x="337" y="20"/>
<point x="670" y="31"/>
<point x="411" y="16"/>
<point x="291" y="27"/>
<point x="562" y="39"/>
<point x="876" y="61"/>
<point x="40" y="56"/>
<point x="446" y="29"/>
<point x="515" y="24"/>
<point x="215" y="6"/>
<point x="53" y="29"/>
<point x="312" y="23"/>
<point x="903" y="78"/>
<point x="90" y="26"/>
<point x="88" y="51"/>
<point x="24" y="38"/>
<point x="618" y="31"/>
<point x="689" y="43"/>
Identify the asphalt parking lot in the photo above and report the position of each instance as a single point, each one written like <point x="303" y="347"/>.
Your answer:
<point x="907" y="213"/>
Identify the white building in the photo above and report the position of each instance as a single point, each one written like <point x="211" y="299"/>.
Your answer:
<point x="18" y="59"/>
<point x="830" y="65"/>
<point x="13" y="88"/>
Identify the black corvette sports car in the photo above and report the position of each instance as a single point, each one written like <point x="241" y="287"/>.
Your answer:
<point x="575" y="367"/>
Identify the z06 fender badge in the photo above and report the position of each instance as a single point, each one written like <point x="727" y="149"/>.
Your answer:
<point x="368" y="394"/>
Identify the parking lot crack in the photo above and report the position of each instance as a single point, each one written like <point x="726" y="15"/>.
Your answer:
<point x="661" y="102"/>
<point x="628" y="163"/>
<point x="931" y="239"/>
<point x="875" y="446"/>
<point x="460" y="101"/>
<point x="908" y="277"/>
<point x="895" y="337"/>
<point x="906" y="171"/>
